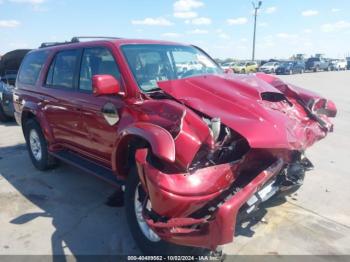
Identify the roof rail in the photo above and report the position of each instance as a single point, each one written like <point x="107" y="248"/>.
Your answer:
<point x="77" y="38"/>
<point x="49" y="44"/>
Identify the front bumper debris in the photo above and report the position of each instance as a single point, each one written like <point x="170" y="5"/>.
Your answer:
<point x="172" y="212"/>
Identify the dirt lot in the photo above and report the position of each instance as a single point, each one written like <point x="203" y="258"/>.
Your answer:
<point x="63" y="211"/>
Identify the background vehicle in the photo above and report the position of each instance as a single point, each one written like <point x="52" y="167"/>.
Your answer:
<point x="341" y="65"/>
<point x="245" y="67"/>
<point x="9" y="65"/>
<point x="316" y="64"/>
<point x="290" y="67"/>
<point x="229" y="65"/>
<point x="269" y="67"/>
<point x="180" y="142"/>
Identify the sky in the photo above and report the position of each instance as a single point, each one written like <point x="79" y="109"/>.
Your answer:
<point x="223" y="28"/>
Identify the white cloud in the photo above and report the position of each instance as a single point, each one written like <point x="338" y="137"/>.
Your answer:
<point x="9" y="23"/>
<point x="335" y="10"/>
<point x="309" y="13"/>
<point x="160" y="21"/>
<point x="187" y="5"/>
<point x="33" y="2"/>
<point x="171" y="35"/>
<point x="198" y="32"/>
<point x="201" y="21"/>
<point x="270" y="9"/>
<point x="307" y="31"/>
<point x="221" y="33"/>
<point x="263" y="24"/>
<point x="237" y="21"/>
<point x="335" y="27"/>
<point x="185" y="15"/>
<point x="224" y="36"/>
<point x="287" y="36"/>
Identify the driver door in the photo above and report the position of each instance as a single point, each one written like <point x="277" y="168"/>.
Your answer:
<point x="99" y="131"/>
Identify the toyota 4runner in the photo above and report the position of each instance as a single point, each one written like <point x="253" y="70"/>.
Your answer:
<point x="194" y="147"/>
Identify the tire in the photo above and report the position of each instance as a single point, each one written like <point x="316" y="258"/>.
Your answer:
<point x="148" y="247"/>
<point x="243" y="71"/>
<point x="37" y="146"/>
<point x="3" y="116"/>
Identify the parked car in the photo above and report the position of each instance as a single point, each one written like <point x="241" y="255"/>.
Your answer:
<point x="245" y="67"/>
<point x="228" y="65"/>
<point x="6" y="105"/>
<point x="341" y="65"/>
<point x="9" y="65"/>
<point x="269" y="67"/>
<point x="195" y="150"/>
<point x="316" y="64"/>
<point x="291" y="67"/>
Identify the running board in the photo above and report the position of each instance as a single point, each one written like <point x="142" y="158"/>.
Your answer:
<point x="88" y="166"/>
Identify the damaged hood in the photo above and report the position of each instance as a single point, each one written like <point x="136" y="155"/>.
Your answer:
<point x="238" y="102"/>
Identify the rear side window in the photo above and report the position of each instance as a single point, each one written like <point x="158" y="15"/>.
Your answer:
<point x="96" y="61"/>
<point x="31" y="67"/>
<point x="62" y="69"/>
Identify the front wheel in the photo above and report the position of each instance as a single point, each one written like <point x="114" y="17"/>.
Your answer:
<point x="37" y="146"/>
<point x="147" y="240"/>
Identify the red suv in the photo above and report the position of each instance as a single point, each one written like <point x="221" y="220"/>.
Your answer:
<point x="195" y="147"/>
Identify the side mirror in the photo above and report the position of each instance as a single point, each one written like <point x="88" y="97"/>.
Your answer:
<point x="106" y="85"/>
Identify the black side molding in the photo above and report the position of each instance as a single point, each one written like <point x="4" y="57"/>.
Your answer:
<point x="88" y="166"/>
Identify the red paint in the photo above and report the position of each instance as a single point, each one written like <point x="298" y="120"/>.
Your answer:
<point x="173" y="132"/>
<point x="105" y="85"/>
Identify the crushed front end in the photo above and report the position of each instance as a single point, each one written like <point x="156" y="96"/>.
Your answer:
<point x="232" y="153"/>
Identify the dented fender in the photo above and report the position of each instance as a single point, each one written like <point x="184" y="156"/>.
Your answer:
<point x="160" y="140"/>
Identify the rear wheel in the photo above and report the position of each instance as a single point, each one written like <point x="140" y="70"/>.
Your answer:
<point x="147" y="240"/>
<point x="37" y="146"/>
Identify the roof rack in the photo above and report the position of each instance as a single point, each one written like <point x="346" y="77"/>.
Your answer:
<point x="75" y="39"/>
<point x="48" y="44"/>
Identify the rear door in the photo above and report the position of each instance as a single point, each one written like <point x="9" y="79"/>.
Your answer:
<point x="100" y="115"/>
<point x="61" y="108"/>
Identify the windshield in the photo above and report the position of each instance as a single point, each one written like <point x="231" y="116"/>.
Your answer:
<point x="152" y="63"/>
<point x="269" y="64"/>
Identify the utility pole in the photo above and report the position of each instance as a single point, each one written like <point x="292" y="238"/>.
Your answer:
<point x="256" y="8"/>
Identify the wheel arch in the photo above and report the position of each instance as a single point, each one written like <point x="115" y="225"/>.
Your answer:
<point x="141" y="135"/>
<point x="29" y="113"/>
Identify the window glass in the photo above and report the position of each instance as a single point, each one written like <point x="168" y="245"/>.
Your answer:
<point x="31" y="66"/>
<point x="96" y="61"/>
<point x="153" y="63"/>
<point x="62" y="69"/>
